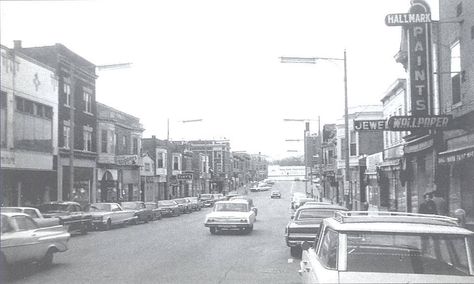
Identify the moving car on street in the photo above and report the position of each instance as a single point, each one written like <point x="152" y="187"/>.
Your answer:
<point x="70" y="215"/>
<point x="304" y="226"/>
<point x="33" y="213"/>
<point x="275" y="194"/>
<point x="207" y="200"/>
<point x="106" y="215"/>
<point x="155" y="209"/>
<point x="231" y="215"/>
<point x="249" y="200"/>
<point x="169" y="208"/>
<point x="23" y="241"/>
<point x="144" y="214"/>
<point x="389" y="247"/>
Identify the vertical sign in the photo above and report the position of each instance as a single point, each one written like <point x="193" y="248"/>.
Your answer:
<point x="419" y="61"/>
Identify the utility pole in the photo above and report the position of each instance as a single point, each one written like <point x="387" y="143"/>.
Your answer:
<point x="346" y="126"/>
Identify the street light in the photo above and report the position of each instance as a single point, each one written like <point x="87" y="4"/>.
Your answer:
<point x="313" y="60"/>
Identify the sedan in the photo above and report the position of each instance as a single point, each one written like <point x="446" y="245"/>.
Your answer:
<point x="107" y="215"/>
<point x="144" y="214"/>
<point x="23" y="241"/>
<point x="169" y="208"/>
<point x="156" y="210"/>
<point x="184" y="205"/>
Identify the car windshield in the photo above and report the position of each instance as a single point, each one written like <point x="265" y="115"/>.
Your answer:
<point x="236" y="207"/>
<point x="166" y="203"/>
<point x="407" y="253"/>
<point x="98" y="207"/>
<point x="314" y="214"/>
<point x="54" y="207"/>
<point x="130" y="205"/>
<point x="9" y="209"/>
<point x="206" y="196"/>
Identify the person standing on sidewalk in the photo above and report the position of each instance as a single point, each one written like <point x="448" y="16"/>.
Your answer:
<point x="428" y="206"/>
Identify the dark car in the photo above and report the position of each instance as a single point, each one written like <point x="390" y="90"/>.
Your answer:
<point x="156" y="210"/>
<point x="70" y="215"/>
<point x="169" y="208"/>
<point x="304" y="225"/>
<point x="207" y="200"/>
<point x="184" y="205"/>
<point x="143" y="213"/>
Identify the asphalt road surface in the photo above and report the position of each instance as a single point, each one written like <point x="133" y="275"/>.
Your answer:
<point x="180" y="250"/>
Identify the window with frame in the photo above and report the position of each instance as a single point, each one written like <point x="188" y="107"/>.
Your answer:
<point x="104" y="141"/>
<point x="353" y="145"/>
<point x="135" y="146"/>
<point x="160" y="160"/>
<point x="67" y="93"/>
<point x="87" y="140"/>
<point x="3" y="118"/>
<point x="176" y="163"/>
<point x="456" y="72"/>
<point x="87" y="102"/>
<point x="328" y="249"/>
<point x="25" y="223"/>
<point x="66" y="136"/>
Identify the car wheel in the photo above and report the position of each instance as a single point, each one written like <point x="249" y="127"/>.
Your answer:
<point x="212" y="230"/>
<point x="84" y="229"/>
<point x="47" y="259"/>
<point x="295" y="252"/>
<point x="108" y="225"/>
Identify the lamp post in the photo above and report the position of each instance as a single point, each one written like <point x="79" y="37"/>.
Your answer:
<point x="313" y="60"/>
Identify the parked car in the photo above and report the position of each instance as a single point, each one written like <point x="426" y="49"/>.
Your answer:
<point x="207" y="200"/>
<point x="219" y="196"/>
<point x="144" y="214"/>
<point x="249" y="200"/>
<point x="106" y="215"/>
<point x="231" y="194"/>
<point x="230" y="215"/>
<point x="155" y="209"/>
<point x="275" y="194"/>
<point x="313" y="203"/>
<point x="296" y="196"/>
<point x="304" y="226"/>
<point x="70" y="215"/>
<point x="35" y="214"/>
<point x="169" y="208"/>
<point x="23" y="241"/>
<point x="196" y="205"/>
<point x="389" y="247"/>
<point x="184" y="205"/>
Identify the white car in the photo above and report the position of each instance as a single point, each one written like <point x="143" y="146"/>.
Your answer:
<point x="23" y="241"/>
<point x="231" y="215"/>
<point x="35" y="214"/>
<point x="389" y="247"/>
<point x="107" y="215"/>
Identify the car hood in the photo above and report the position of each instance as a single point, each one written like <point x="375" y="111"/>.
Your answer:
<point x="228" y="214"/>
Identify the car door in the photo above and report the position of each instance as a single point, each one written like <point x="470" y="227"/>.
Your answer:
<point x="20" y="242"/>
<point x="320" y="262"/>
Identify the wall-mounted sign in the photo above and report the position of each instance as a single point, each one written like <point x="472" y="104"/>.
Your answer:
<point x="418" y="30"/>
<point x="411" y="123"/>
<point x="370" y="125"/>
<point x="402" y="19"/>
<point x="126" y="160"/>
<point x="185" y="176"/>
<point x="456" y="156"/>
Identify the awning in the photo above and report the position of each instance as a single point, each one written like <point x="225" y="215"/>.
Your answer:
<point x="456" y="155"/>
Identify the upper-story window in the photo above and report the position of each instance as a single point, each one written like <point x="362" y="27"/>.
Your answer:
<point x="456" y="72"/>
<point x="353" y="145"/>
<point x="3" y="118"/>
<point x="104" y="141"/>
<point x="67" y="93"/>
<point x="87" y="102"/>
<point x="160" y="160"/>
<point x="147" y="167"/>
<point x="176" y="163"/>
<point x="66" y="136"/>
<point x="87" y="139"/>
<point x="135" y="146"/>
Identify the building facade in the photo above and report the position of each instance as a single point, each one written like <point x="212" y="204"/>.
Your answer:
<point x="29" y="127"/>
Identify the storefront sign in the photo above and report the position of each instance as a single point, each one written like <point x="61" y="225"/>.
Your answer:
<point x="126" y="160"/>
<point x="410" y="123"/>
<point x="419" y="146"/>
<point x="370" y="125"/>
<point x="418" y="21"/>
<point x="185" y="176"/>
<point x="456" y="156"/>
<point x="402" y="19"/>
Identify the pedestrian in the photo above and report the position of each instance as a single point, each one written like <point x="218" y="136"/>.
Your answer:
<point x="428" y="206"/>
<point x="440" y="202"/>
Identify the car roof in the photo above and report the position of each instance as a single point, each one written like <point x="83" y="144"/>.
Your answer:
<point x="18" y="207"/>
<point x="322" y="206"/>
<point x="12" y="214"/>
<point x="233" y="201"/>
<point x="62" y="202"/>
<point x="398" y="222"/>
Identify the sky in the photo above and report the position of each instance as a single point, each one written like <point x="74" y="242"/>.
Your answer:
<point x="218" y="61"/>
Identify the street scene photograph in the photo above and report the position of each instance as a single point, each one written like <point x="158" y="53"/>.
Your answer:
<point x="224" y="141"/>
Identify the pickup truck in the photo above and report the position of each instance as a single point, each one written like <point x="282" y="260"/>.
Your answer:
<point x="70" y="215"/>
<point x="33" y="213"/>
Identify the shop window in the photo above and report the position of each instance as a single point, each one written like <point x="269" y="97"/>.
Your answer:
<point x="456" y="72"/>
<point x="31" y="132"/>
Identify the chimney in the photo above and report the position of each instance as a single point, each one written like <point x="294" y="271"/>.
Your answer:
<point x="17" y="44"/>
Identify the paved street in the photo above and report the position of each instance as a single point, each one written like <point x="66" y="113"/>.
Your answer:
<point x="181" y="250"/>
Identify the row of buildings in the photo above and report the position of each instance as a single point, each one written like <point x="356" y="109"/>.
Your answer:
<point x="392" y="168"/>
<point x="59" y="143"/>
